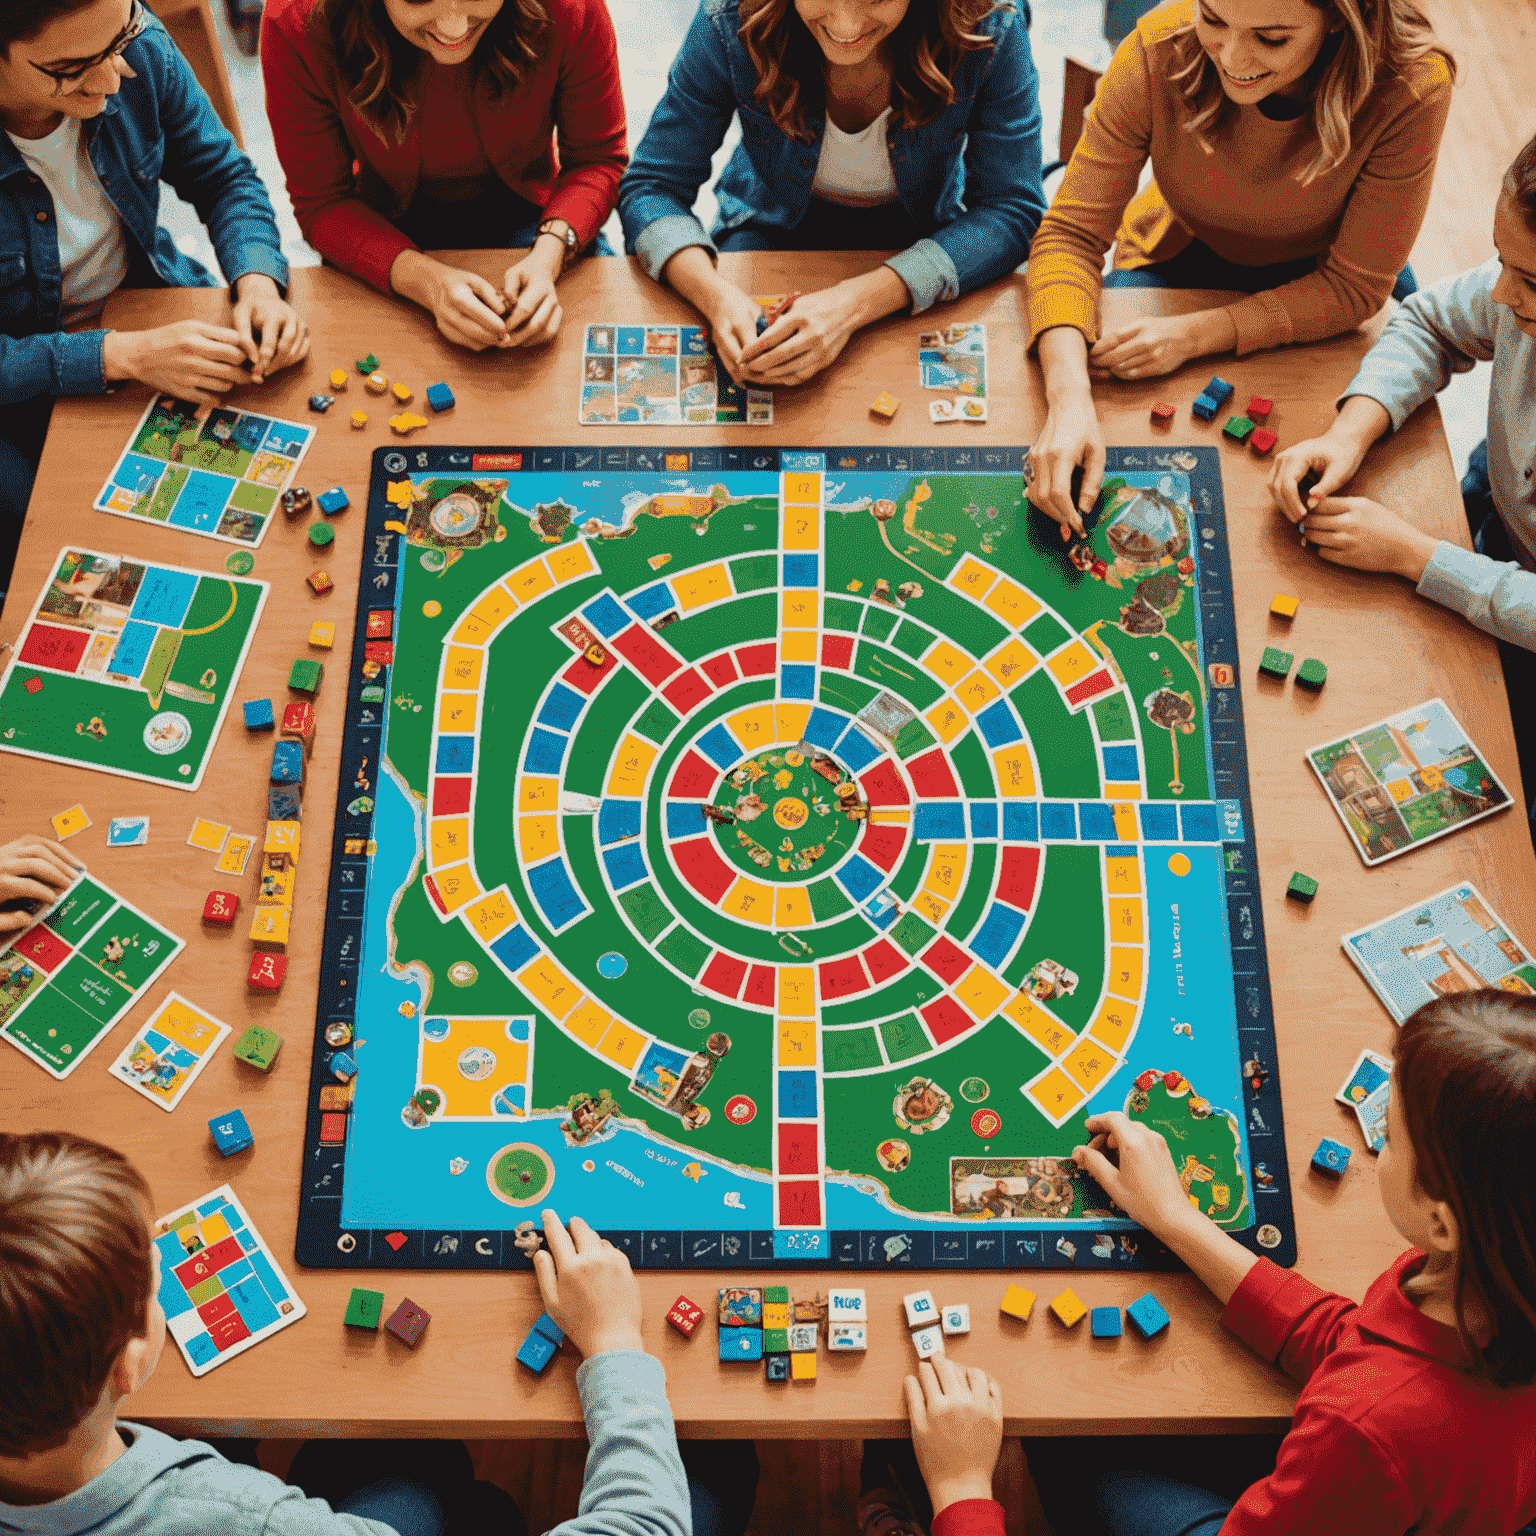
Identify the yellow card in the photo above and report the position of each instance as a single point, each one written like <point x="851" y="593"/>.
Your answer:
<point x="236" y="855"/>
<point x="209" y="835"/>
<point x="67" y="823"/>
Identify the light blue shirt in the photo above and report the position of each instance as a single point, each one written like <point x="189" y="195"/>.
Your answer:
<point x="1445" y="329"/>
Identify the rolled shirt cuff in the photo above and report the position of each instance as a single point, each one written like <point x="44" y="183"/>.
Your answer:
<point x="928" y="272"/>
<point x="663" y="238"/>
<point x="80" y="367"/>
<point x="263" y="259"/>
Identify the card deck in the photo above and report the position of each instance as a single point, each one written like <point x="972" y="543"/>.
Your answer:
<point x="1370" y="1071"/>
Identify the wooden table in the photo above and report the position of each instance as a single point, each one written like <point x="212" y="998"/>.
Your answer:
<point x="1385" y="647"/>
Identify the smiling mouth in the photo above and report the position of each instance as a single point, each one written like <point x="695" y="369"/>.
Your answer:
<point x="847" y="42"/>
<point x="458" y="42"/>
<point x="1246" y="79"/>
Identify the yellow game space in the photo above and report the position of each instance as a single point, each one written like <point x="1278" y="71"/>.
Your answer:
<point x="445" y="1065"/>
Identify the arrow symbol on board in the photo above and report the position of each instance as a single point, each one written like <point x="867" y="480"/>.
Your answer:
<point x="381" y="580"/>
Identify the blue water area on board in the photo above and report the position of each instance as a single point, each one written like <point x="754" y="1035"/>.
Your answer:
<point x="603" y="496"/>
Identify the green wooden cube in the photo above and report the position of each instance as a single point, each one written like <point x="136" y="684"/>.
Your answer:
<point x="776" y="1295"/>
<point x="1273" y="663"/>
<point x="258" y="1047"/>
<point x="364" y="1309"/>
<point x="1238" y="428"/>
<point x="1302" y="887"/>
<point x="305" y="674"/>
<point x="776" y="1341"/>
<point x="1312" y="674"/>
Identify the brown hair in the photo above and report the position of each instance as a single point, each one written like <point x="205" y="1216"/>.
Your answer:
<point x="1465" y="1089"/>
<point x="1522" y="181"/>
<point x="376" y="63"/>
<point x="75" y="1276"/>
<point x="23" y="19"/>
<point x="1374" y="41"/>
<point x="932" y="39"/>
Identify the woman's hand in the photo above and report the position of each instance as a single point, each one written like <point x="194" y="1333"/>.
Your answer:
<point x="271" y="333"/>
<point x="190" y="359"/>
<point x="1363" y="534"/>
<point x="32" y="871"/>
<point x="806" y="338"/>
<point x="1144" y="349"/>
<point x="732" y="318"/>
<point x="1133" y="1164"/>
<point x="533" y="311"/>
<point x="469" y="311"/>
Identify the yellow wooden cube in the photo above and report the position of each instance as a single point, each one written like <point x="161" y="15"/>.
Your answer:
<point x="776" y="1314"/>
<point x="282" y="837"/>
<point x="1284" y="606"/>
<point x="802" y="1367"/>
<point x="323" y="633"/>
<point x="1069" y="1309"/>
<point x="885" y="405"/>
<point x="1017" y="1302"/>
<point x="269" y="927"/>
<point x="277" y="885"/>
<point x="338" y="380"/>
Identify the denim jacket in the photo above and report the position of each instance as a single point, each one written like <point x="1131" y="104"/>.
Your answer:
<point x="971" y="176"/>
<point x="158" y="124"/>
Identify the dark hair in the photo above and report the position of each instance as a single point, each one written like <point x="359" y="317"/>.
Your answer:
<point x="376" y="63"/>
<point x="1522" y="179"/>
<point x="21" y="19"/>
<point x="927" y="48"/>
<point x="75" y="1275"/>
<point x="1466" y="1091"/>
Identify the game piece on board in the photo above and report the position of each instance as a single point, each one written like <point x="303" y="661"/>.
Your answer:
<point x="1275" y="662"/>
<point x="1069" y="1309"/>
<point x="1301" y="887"/>
<point x="406" y="422"/>
<point x="220" y="908"/>
<point x="367" y="365"/>
<point x="1331" y="1156"/>
<point x="305" y="674"/>
<point x="364" y="1309"/>
<point x="845" y="1306"/>
<point x="127" y="831"/>
<point x="775" y="1338"/>
<point x="1162" y="414"/>
<point x="846" y="1336"/>
<point x="403" y="393"/>
<point x="67" y="823"/>
<point x="408" y="1321"/>
<point x="296" y="501"/>
<point x="338" y="380"/>
<point x="776" y="1367"/>
<point x="1218" y="390"/>
<point x="230" y="1133"/>
<point x="1017" y="1302"/>
<point x="1205" y="408"/>
<point x="1105" y="1322"/>
<point x="322" y="633"/>
<point x="741" y="1344"/>
<point x="359" y="420"/>
<point x="928" y="1341"/>
<point x="802" y="1367"/>
<point x="258" y="715"/>
<point x="920" y="1307"/>
<point x="1237" y="428"/>
<point x="35" y="684"/>
<point x="972" y="409"/>
<point x="320" y="582"/>
<point x="956" y="1317"/>
<point x="1312" y="674"/>
<point x="536" y="1352"/>
<point x="343" y="1066"/>
<point x="942" y="410"/>
<point x="1262" y="440"/>
<point x="321" y="403"/>
<point x="1259" y="408"/>
<point x="803" y="1338"/>
<point x="270" y="926"/>
<point x="685" y="1316"/>
<point x="440" y="397"/>
<point x="337" y="1097"/>
<point x="739" y="1306"/>
<point x="266" y="972"/>
<point x="885" y="405"/>
<point x="376" y="383"/>
<point x="321" y="534"/>
<point x="551" y="1330"/>
<point x="1146" y="1312"/>
<point x="259" y="1047"/>
<point x="287" y="763"/>
<point x="332" y="501"/>
<point x="1283" y="605"/>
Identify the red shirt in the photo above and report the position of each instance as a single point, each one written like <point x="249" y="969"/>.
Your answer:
<point x="347" y="183"/>
<point x="1391" y="1432"/>
<point x="969" y="1517"/>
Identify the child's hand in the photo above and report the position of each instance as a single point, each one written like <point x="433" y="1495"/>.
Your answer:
<point x="588" y="1288"/>
<point x="270" y="331"/>
<point x="1140" y="1178"/>
<point x="1333" y="456"/>
<point x="957" y="1429"/>
<point x="32" y="869"/>
<point x="1354" y="531"/>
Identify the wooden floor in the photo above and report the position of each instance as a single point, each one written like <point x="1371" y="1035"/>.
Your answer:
<point x="812" y="1488"/>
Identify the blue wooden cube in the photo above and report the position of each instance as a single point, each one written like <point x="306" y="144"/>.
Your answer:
<point x="1218" y="390"/>
<point x="343" y="1067"/>
<point x="778" y="1367"/>
<point x="536" y="1351"/>
<point x="1331" y="1156"/>
<point x="551" y="1330"/>
<point x="1148" y="1315"/>
<point x="1105" y="1322"/>
<point x="440" y="397"/>
<point x="258" y="715"/>
<point x="284" y="803"/>
<point x="741" y="1343"/>
<point x="288" y="762"/>
<point x="1205" y="407"/>
<point x="230" y="1133"/>
<point x="332" y="501"/>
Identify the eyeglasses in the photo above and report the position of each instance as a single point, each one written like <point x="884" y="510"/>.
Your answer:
<point x="138" y="23"/>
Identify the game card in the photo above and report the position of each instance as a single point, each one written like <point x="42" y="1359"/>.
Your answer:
<point x="1407" y="780"/>
<point x="236" y="855"/>
<point x="1371" y="1112"/>
<point x="169" y="1051"/>
<point x="209" y="470"/>
<point x="208" y="835"/>
<point x="954" y="360"/>
<point x="1450" y="942"/>
<point x="662" y="375"/>
<point x="220" y="1285"/>
<point x="1370" y="1071"/>
<point x="127" y="831"/>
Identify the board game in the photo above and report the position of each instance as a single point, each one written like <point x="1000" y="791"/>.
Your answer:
<point x="774" y="855"/>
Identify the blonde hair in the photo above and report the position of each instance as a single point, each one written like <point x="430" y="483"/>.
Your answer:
<point x="1378" y="41"/>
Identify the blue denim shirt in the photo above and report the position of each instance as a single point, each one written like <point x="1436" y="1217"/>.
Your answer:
<point x="971" y="176"/>
<point x="159" y="124"/>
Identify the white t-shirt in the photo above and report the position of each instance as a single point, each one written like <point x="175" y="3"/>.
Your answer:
<point x="93" y="253"/>
<point x="855" y="168"/>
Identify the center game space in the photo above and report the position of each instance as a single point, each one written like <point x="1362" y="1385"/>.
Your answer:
<point x="773" y="856"/>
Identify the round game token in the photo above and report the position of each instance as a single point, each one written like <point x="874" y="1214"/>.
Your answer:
<point x="740" y="1110"/>
<point x="463" y="973"/>
<point x="240" y="562"/>
<point x="431" y="608"/>
<point x="338" y="1034"/>
<point x="612" y="965"/>
<point x="974" y="1089"/>
<point x="986" y="1123"/>
<point x="699" y="1018"/>
<point x="321" y="534"/>
<point x="1267" y="1236"/>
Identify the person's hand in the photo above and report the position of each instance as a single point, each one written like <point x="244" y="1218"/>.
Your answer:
<point x="32" y="869"/>
<point x="1144" y="349"/>
<point x="1363" y="534"/>
<point x="1070" y="439"/>
<point x="190" y="359"/>
<point x="1133" y="1164"/>
<point x="1333" y="458"/>
<point x="957" y="1429"/>
<point x="806" y="338"/>
<point x="732" y="318"/>
<point x="271" y="333"/>
<point x="588" y="1288"/>
<point x="533" y="311"/>
<point x="469" y="311"/>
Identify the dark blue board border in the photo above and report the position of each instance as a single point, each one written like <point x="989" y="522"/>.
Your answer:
<point x="321" y="1241"/>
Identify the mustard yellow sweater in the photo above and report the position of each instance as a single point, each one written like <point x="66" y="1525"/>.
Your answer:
<point x="1239" y="196"/>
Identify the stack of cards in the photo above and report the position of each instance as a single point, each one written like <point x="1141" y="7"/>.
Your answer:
<point x="665" y="375"/>
<point x="1366" y="1091"/>
<point x="954" y="360"/>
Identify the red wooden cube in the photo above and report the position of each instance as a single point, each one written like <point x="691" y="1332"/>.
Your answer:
<point x="382" y="651"/>
<point x="299" y="723"/>
<point x="381" y="623"/>
<point x="221" y="907"/>
<point x="408" y="1321"/>
<point x="1162" y="413"/>
<point x="1262" y="440"/>
<point x="266" y="972"/>
<point x="685" y="1316"/>
<point x="1259" y="408"/>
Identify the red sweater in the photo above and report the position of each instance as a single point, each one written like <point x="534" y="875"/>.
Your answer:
<point x="969" y="1517"/>
<point x="1391" y="1433"/>
<point x="347" y="184"/>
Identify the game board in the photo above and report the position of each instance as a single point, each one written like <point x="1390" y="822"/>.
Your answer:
<point x="774" y="855"/>
<point x="128" y="667"/>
